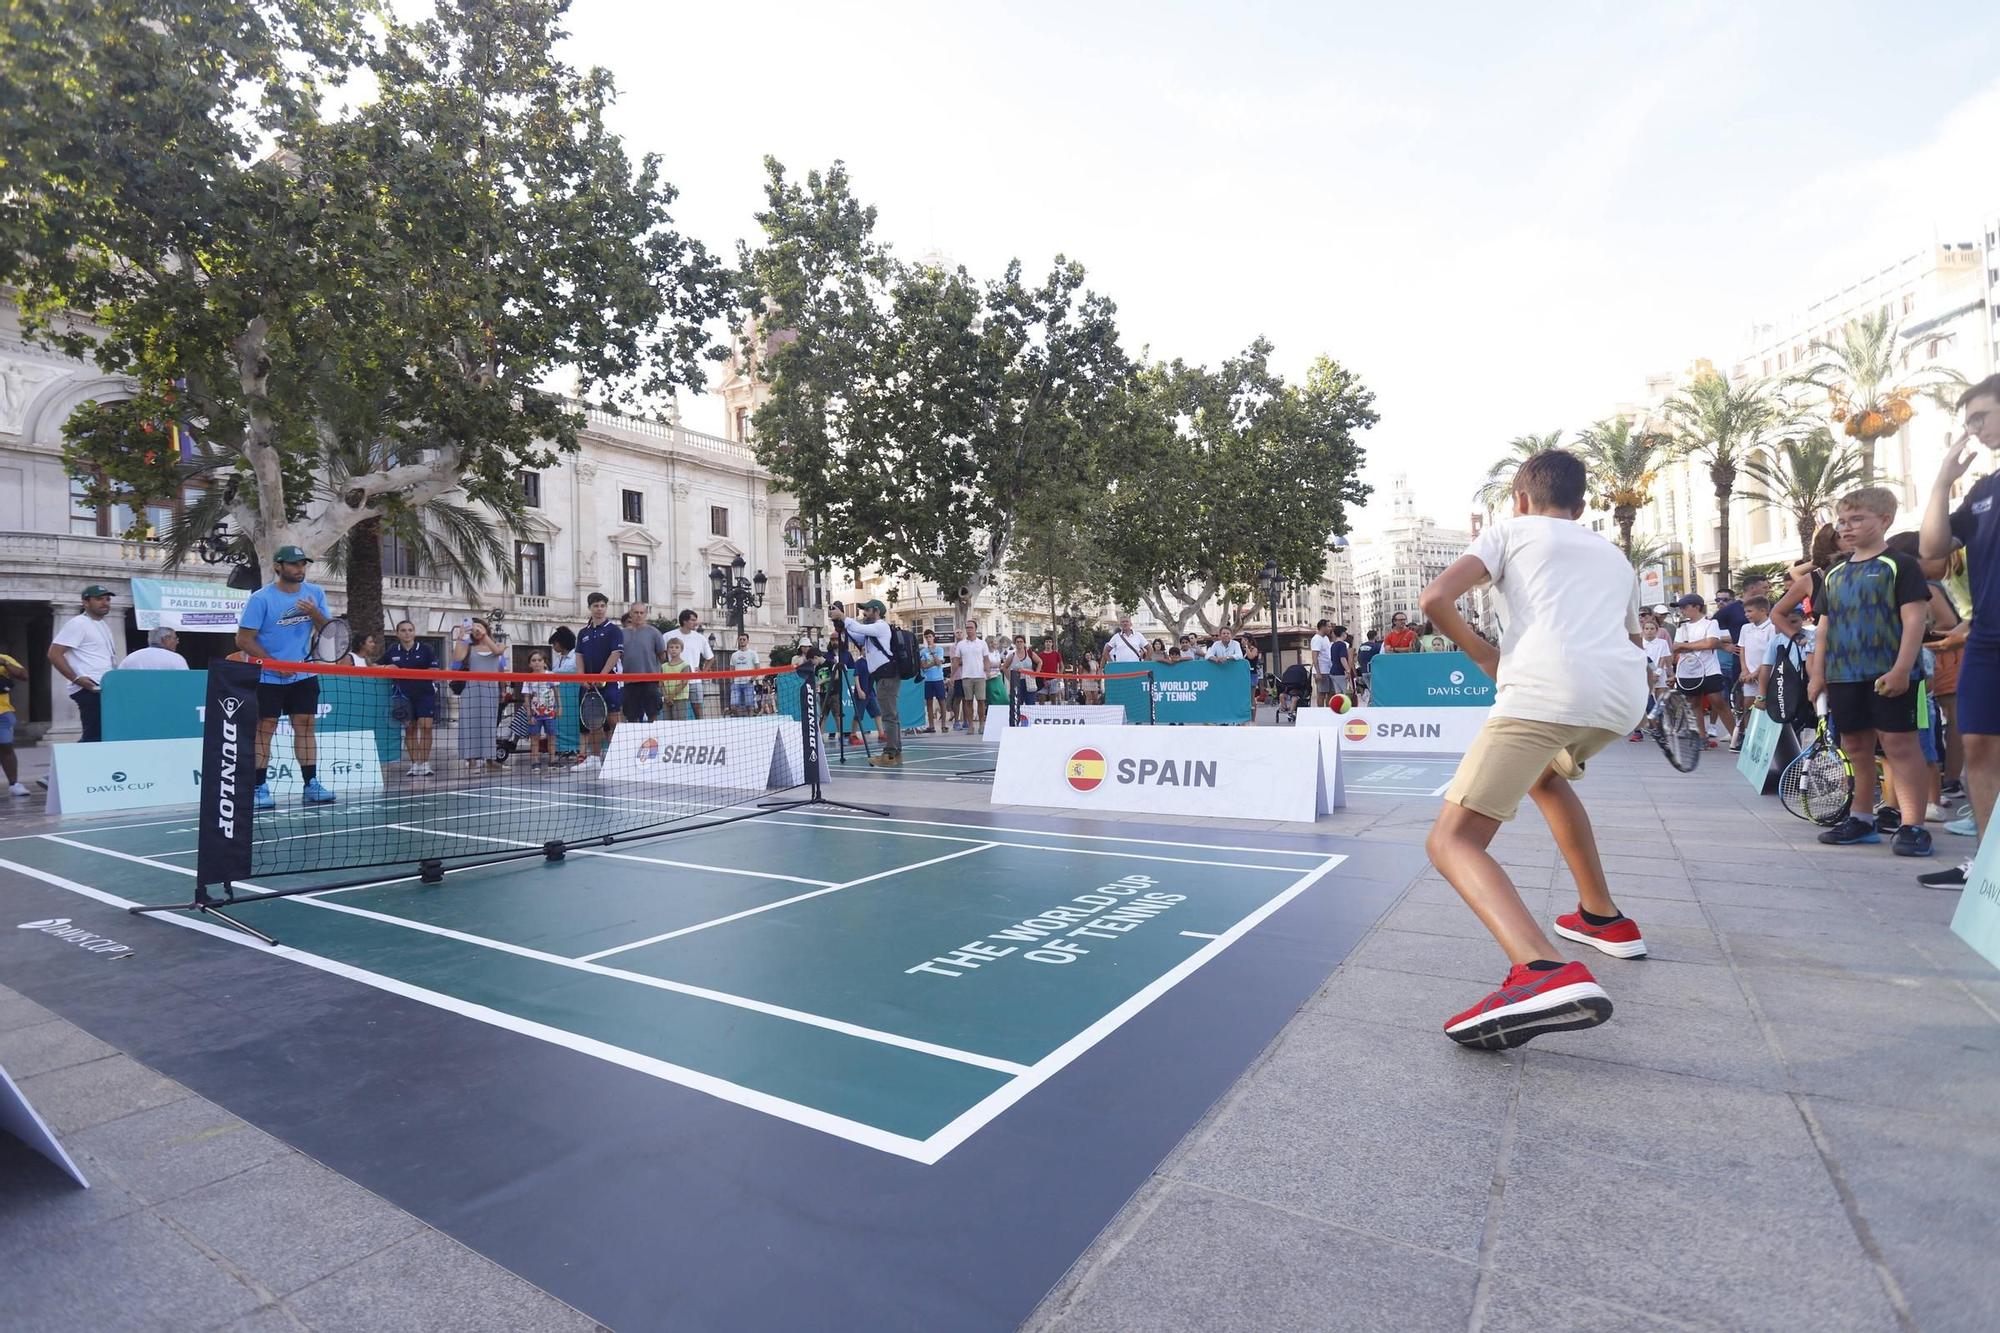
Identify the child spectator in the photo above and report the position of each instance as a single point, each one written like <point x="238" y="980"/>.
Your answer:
<point x="1569" y="679"/>
<point x="543" y="700"/>
<point x="674" y="693"/>
<point x="1752" y="644"/>
<point x="1864" y="660"/>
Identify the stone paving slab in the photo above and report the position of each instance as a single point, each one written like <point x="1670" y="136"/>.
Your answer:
<point x="1790" y="1123"/>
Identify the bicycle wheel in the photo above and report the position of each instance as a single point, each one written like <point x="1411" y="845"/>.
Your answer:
<point x="1678" y="731"/>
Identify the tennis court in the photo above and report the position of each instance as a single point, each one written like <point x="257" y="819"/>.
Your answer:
<point x="1398" y="775"/>
<point x="897" y="983"/>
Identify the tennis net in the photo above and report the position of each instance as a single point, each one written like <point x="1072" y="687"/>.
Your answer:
<point x="313" y="774"/>
<point x="1125" y="685"/>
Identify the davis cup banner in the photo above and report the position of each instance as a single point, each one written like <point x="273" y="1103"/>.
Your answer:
<point x="1248" y="773"/>
<point x="186" y="604"/>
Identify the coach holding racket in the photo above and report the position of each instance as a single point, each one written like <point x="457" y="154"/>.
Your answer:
<point x="278" y="623"/>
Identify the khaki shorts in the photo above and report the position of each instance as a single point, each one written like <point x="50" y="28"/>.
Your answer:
<point x="1510" y="754"/>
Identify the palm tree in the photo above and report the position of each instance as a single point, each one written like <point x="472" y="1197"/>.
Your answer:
<point x="1870" y="399"/>
<point x="1499" y="483"/>
<point x="1803" y="475"/>
<point x="1719" y="423"/>
<point x="1646" y="551"/>
<point x="1622" y="461"/>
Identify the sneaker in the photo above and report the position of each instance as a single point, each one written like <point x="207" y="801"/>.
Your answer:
<point x="1952" y="791"/>
<point x="264" y="800"/>
<point x="1713" y="743"/>
<point x="19" y="789"/>
<point x="1888" y="819"/>
<point x="1530" y="1003"/>
<point x="315" y="794"/>
<point x="1912" y="840"/>
<point x="886" y="761"/>
<point x="1849" y="831"/>
<point x="1620" y="939"/>
<point x="1935" y="813"/>
<point x="1954" y="878"/>
<point x="1636" y="736"/>
<point x="1964" y="828"/>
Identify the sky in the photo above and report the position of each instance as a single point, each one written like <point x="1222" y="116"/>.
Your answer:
<point x="1503" y="223"/>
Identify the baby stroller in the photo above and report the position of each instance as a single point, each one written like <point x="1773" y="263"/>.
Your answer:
<point x="1294" y="688"/>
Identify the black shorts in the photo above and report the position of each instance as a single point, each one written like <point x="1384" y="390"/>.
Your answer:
<point x="1697" y="687"/>
<point x="1853" y="705"/>
<point x="299" y="698"/>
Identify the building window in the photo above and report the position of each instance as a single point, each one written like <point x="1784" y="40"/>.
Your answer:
<point x="797" y="593"/>
<point x="718" y="520"/>
<point x="531" y="568"/>
<point x="399" y="558"/>
<point x="1909" y="303"/>
<point x="82" y="517"/>
<point x="636" y="583"/>
<point x="531" y="489"/>
<point x="632" y="506"/>
<point x="942" y="627"/>
<point x="795" y="534"/>
<point x="743" y="425"/>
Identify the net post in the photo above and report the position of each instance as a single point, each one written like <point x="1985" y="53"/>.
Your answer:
<point x="1152" y="698"/>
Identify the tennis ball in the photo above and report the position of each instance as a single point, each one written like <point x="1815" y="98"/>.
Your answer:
<point x="1340" y="704"/>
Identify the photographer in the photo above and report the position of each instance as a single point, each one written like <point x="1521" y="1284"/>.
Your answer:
<point x="871" y="635"/>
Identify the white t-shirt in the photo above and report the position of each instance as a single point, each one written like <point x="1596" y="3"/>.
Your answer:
<point x="694" y="648"/>
<point x="1754" y="642"/>
<point x="872" y="640"/>
<point x="1570" y="604"/>
<point x="970" y="654"/>
<point x="1693" y="666"/>
<point x="1123" y="647"/>
<point x="151" y="658"/>
<point x="1322" y="651"/>
<point x="1656" y="653"/>
<point x="1221" y="651"/>
<point x="91" y="648"/>
<point x="743" y="659"/>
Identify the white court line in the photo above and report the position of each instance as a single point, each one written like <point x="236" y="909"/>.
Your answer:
<point x="1444" y="786"/>
<point x="640" y="978"/>
<point x="783" y="902"/>
<point x="1199" y="935"/>
<point x="1053" y="833"/>
<point x="854" y="1131"/>
<point x="1040" y="847"/>
<point x="994" y="1103"/>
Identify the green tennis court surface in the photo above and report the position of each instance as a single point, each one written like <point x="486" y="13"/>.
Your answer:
<point x="894" y="982"/>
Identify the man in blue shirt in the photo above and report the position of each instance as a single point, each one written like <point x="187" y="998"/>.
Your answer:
<point x="409" y="653"/>
<point x="600" y="647"/>
<point x="278" y="624"/>
<point x="933" y="659"/>
<point x="1975" y="526"/>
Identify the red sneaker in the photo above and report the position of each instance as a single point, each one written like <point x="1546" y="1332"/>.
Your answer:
<point x="1530" y="1003"/>
<point x="1620" y="939"/>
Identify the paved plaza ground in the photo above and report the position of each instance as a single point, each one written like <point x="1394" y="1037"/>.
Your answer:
<point x="1792" y="1122"/>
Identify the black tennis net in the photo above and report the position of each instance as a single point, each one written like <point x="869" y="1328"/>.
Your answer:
<point x="316" y="775"/>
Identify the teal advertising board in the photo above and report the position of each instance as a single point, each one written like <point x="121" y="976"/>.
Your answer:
<point x="1977" y="920"/>
<point x="1428" y="680"/>
<point x="161" y="705"/>
<point x="909" y="711"/>
<point x="187" y="604"/>
<point x="1184" y="692"/>
<point x="1760" y="742"/>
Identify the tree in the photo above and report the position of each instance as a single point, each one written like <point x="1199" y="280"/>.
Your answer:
<point x="1868" y="395"/>
<point x="1212" y="472"/>
<point x="1719" y="423"/>
<point x="1622" y="460"/>
<point x="1056" y="558"/>
<point x="295" y="285"/>
<point x="916" y="412"/>
<point x="1803" y="475"/>
<point x="1499" y="483"/>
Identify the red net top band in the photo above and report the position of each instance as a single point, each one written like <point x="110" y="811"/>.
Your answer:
<point x="445" y="677"/>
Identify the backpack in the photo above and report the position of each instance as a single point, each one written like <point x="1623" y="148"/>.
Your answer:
<point x="1786" y="701"/>
<point x="902" y="663"/>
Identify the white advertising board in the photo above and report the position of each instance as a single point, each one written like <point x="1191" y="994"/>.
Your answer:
<point x="1400" y="730"/>
<point x="1055" y="715"/>
<point x="1225" y="772"/>
<point x="738" y="754"/>
<point x="348" y="764"/>
<point x="124" y="775"/>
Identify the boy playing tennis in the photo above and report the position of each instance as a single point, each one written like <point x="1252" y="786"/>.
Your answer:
<point x="1570" y="678"/>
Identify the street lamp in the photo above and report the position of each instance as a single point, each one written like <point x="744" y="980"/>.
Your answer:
<point x="1271" y="583"/>
<point x="1072" y="630"/>
<point x="734" y="593"/>
<point x="217" y="545"/>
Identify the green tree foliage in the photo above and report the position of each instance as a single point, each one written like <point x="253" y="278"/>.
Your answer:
<point x="1499" y="483"/>
<point x="1803" y="475"/>
<point x="915" y="411"/>
<point x="1719" y="423"/>
<point x="1622" y="459"/>
<point x="392" y="282"/>
<point x="1209" y="473"/>
<point x="1869" y="387"/>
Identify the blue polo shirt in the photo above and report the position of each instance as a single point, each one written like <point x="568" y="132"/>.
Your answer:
<point x="1975" y="525"/>
<point x="417" y="657"/>
<point x="596" y="643"/>
<point x="284" y="631"/>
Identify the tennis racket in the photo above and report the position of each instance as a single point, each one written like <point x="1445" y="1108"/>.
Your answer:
<point x="591" y="710"/>
<point x="331" y="641"/>
<point x="1678" y="730"/>
<point x="1819" y="784"/>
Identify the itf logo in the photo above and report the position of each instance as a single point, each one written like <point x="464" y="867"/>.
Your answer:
<point x="1085" y="770"/>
